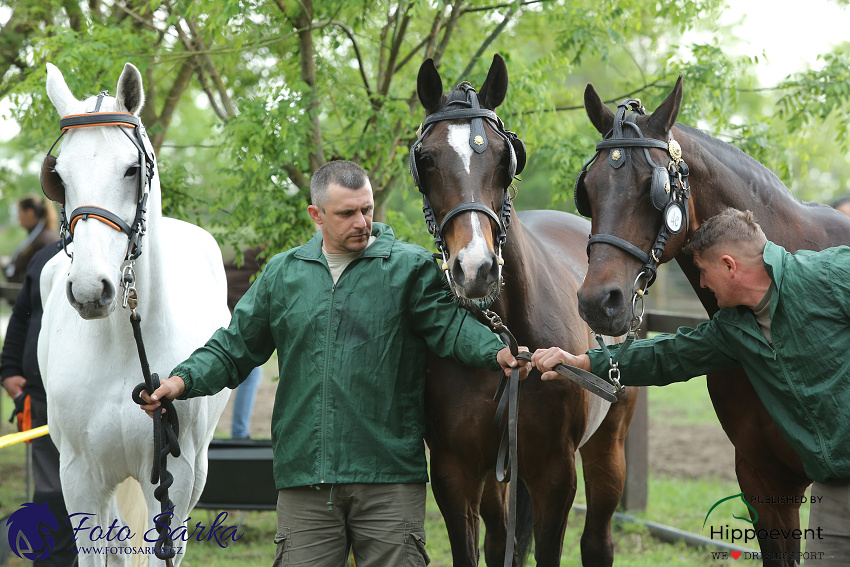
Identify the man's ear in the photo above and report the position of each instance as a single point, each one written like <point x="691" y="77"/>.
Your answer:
<point x="729" y="262"/>
<point x="314" y="213"/>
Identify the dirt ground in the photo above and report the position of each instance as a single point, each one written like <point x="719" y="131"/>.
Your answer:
<point x="679" y="451"/>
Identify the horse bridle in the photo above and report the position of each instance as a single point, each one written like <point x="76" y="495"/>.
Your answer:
<point x="54" y="188"/>
<point x="469" y="108"/>
<point x="669" y="193"/>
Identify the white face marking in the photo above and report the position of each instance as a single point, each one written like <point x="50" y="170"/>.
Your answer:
<point x="459" y="141"/>
<point x="475" y="252"/>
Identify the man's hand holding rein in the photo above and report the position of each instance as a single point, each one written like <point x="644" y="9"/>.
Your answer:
<point x="545" y="359"/>
<point x="170" y="388"/>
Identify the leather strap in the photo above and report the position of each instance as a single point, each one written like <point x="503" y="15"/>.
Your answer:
<point x="102" y="215"/>
<point x="619" y="243"/>
<point x="99" y="119"/>
<point x="465" y="207"/>
<point x="459" y="114"/>
<point x="631" y="143"/>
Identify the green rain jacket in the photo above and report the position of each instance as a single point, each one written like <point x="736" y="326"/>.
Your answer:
<point x="802" y="378"/>
<point x="349" y="406"/>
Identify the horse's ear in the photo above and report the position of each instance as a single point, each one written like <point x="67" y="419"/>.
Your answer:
<point x="429" y="86"/>
<point x="58" y="92"/>
<point x="130" y="94"/>
<point x="495" y="87"/>
<point x="600" y="115"/>
<point x="664" y="117"/>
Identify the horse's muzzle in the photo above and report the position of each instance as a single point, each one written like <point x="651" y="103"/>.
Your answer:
<point x="92" y="303"/>
<point x="605" y="310"/>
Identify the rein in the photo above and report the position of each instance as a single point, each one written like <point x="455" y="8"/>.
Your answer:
<point x="507" y="398"/>
<point x="166" y="429"/>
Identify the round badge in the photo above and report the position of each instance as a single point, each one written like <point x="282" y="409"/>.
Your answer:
<point x="674" y="218"/>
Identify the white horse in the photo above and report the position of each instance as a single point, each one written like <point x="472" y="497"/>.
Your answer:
<point x="86" y="349"/>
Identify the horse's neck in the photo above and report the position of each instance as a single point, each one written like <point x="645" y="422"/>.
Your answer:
<point x="722" y="177"/>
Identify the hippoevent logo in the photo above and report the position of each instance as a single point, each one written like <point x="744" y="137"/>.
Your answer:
<point x="31" y="530"/>
<point x="722" y="500"/>
<point x="751" y="536"/>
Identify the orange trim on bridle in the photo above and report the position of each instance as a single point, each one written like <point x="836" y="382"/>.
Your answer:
<point x="128" y="124"/>
<point x="96" y="217"/>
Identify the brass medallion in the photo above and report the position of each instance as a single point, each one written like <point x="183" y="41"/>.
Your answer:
<point x="478" y="141"/>
<point x="616" y="155"/>
<point x="667" y="187"/>
<point x="675" y="150"/>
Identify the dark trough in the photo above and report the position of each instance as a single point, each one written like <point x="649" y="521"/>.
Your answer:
<point x="240" y="476"/>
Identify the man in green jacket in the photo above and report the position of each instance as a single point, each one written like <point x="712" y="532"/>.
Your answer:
<point x="784" y="318"/>
<point x="352" y="314"/>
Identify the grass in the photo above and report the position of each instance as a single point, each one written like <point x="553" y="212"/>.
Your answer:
<point x="682" y="503"/>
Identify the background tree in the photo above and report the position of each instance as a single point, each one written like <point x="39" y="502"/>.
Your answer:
<point x="247" y="97"/>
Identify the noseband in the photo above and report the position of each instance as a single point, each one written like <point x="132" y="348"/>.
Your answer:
<point x="470" y="108"/>
<point x="54" y="188"/>
<point x="669" y="190"/>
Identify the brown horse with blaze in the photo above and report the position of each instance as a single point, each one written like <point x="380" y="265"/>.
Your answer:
<point x="530" y="272"/>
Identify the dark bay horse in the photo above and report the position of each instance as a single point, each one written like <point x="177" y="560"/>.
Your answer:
<point x="544" y="262"/>
<point x="619" y="201"/>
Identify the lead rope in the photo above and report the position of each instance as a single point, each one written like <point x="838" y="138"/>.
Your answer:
<point x="166" y="427"/>
<point x="506" y="462"/>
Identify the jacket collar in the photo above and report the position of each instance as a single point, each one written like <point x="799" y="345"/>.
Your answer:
<point x="774" y="261"/>
<point x="381" y="248"/>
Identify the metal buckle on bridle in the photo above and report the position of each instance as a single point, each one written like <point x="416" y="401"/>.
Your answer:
<point x="128" y="282"/>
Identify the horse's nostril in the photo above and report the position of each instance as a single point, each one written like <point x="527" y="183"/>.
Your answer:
<point x="457" y="271"/>
<point x="488" y="270"/>
<point x="612" y="301"/>
<point x="108" y="293"/>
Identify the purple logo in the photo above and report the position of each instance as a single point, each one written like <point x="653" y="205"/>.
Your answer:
<point x="31" y="529"/>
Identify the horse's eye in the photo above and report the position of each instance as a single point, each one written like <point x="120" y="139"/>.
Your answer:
<point x="426" y="161"/>
<point x="132" y="171"/>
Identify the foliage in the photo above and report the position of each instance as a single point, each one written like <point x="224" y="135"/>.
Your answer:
<point x="247" y="98"/>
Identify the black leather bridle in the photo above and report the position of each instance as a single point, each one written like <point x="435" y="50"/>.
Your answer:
<point x="469" y="108"/>
<point x="669" y="189"/>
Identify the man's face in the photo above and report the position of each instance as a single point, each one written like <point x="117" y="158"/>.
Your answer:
<point x="345" y="219"/>
<point x="715" y="274"/>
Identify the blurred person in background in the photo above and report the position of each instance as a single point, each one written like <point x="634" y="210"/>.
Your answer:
<point x="38" y="217"/>
<point x="842" y="204"/>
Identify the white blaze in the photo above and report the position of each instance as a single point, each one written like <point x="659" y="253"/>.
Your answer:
<point x="459" y="141"/>
<point x="476" y="251"/>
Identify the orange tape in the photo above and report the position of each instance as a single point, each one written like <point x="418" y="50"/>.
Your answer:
<point x="25" y="417"/>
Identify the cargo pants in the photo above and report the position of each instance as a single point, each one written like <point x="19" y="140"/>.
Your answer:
<point x="382" y="525"/>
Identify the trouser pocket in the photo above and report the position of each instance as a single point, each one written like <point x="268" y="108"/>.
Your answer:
<point x="414" y="538"/>
<point x="283" y="542"/>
